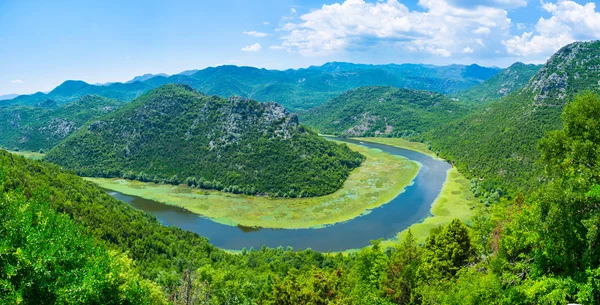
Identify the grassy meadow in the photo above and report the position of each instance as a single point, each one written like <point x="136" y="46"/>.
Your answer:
<point x="33" y="155"/>
<point x="377" y="181"/>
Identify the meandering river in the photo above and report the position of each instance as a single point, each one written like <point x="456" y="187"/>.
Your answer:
<point x="383" y="222"/>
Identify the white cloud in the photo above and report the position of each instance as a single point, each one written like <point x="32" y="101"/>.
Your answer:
<point x="266" y="23"/>
<point x="482" y="30"/>
<point x="569" y="22"/>
<point x="467" y="50"/>
<point x="255" y="34"/>
<point x="441" y="29"/>
<point x="252" y="48"/>
<point x="276" y="47"/>
<point x="292" y="10"/>
<point x="521" y="26"/>
<point x="16" y="81"/>
<point x="491" y="3"/>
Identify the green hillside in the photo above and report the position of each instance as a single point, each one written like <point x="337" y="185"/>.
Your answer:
<point x="174" y="134"/>
<point x="499" y="142"/>
<point x="42" y="127"/>
<point x="296" y="90"/>
<point x="500" y="85"/>
<point x="383" y="111"/>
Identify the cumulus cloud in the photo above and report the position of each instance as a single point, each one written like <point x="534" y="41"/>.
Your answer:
<point x="16" y="81"/>
<point x="491" y="3"/>
<point x="467" y="50"/>
<point x="252" y="48"/>
<point x="569" y="22"/>
<point x="255" y="34"/>
<point x="441" y="28"/>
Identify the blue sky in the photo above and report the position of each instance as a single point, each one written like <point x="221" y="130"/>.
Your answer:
<point x="47" y="42"/>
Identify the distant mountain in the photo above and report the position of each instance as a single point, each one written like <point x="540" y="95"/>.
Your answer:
<point x="173" y="133"/>
<point x="383" y="111"/>
<point x="500" y="85"/>
<point x="145" y="77"/>
<point x="499" y="142"/>
<point x="188" y="72"/>
<point x="294" y="89"/>
<point x="8" y="96"/>
<point x="43" y="126"/>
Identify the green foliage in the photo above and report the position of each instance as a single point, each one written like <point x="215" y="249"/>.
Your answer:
<point x="296" y="90"/>
<point x="40" y="127"/>
<point x="45" y="258"/>
<point x="445" y="252"/>
<point x="383" y="111"/>
<point x="499" y="142"/>
<point x="176" y="135"/>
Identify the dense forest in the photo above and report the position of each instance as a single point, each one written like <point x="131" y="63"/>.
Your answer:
<point x="295" y="90"/>
<point x="174" y="134"/>
<point x="499" y="141"/>
<point x="43" y="126"/>
<point x="538" y="249"/>
<point x="383" y="111"/>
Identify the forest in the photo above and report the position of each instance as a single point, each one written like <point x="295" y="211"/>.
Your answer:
<point x="535" y="249"/>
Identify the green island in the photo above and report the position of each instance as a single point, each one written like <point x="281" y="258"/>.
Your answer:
<point x="377" y="181"/>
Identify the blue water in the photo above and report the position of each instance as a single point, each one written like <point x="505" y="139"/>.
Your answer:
<point x="384" y="222"/>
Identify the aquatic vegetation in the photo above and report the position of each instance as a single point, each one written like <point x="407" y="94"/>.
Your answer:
<point x="455" y="201"/>
<point x="377" y="181"/>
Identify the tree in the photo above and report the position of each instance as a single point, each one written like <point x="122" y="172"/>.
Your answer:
<point x="446" y="252"/>
<point x="402" y="271"/>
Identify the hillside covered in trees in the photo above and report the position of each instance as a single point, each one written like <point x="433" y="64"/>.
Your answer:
<point x="44" y="125"/>
<point x="499" y="142"/>
<point x="534" y="250"/>
<point x="295" y="90"/>
<point x="383" y="111"/>
<point x="174" y="134"/>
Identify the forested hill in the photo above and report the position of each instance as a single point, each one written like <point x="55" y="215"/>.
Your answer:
<point x="44" y="125"/>
<point x="383" y="111"/>
<point x="500" y="141"/>
<point x="174" y="134"/>
<point x="294" y="89"/>
<point x="500" y="85"/>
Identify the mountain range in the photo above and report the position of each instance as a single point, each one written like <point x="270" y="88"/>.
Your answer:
<point x="296" y="90"/>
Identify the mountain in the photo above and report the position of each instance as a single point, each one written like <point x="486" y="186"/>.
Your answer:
<point x="296" y="90"/>
<point x="501" y="84"/>
<point x="499" y="142"/>
<point x="145" y="77"/>
<point x="43" y="126"/>
<point x="8" y="96"/>
<point x="173" y="133"/>
<point x="383" y="111"/>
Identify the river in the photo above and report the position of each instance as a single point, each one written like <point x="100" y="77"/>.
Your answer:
<point x="384" y="222"/>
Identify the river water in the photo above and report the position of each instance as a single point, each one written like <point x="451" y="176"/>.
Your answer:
<point x="384" y="222"/>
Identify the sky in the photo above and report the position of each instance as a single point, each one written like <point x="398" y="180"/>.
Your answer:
<point x="43" y="43"/>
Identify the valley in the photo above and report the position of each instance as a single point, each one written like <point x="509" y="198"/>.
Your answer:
<point x="303" y="180"/>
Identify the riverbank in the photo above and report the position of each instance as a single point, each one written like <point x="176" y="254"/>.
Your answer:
<point x="454" y="201"/>
<point x="377" y="181"/>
